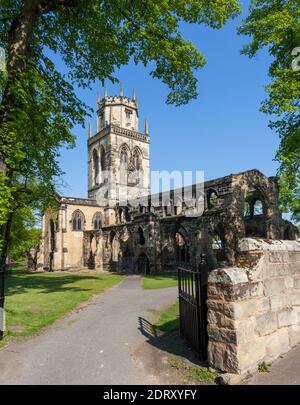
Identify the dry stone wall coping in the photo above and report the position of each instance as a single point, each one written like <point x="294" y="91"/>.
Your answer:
<point x="228" y="275"/>
<point x="250" y="244"/>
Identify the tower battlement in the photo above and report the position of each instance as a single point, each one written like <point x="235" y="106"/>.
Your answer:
<point x="117" y="100"/>
<point x="121" y="111"/>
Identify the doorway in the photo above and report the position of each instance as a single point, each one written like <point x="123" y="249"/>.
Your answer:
<point x="143" y="264"/>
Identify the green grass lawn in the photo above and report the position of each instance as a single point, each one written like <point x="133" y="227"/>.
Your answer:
<point x="168" y="320"/>
<point x="168" y="324"/>
<point x="37" y="300"/>
<point x="159" y="280"/>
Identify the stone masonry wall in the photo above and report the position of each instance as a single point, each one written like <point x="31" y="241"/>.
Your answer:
<point x="254" y="309"/>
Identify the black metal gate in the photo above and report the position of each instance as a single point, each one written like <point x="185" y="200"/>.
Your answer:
<point x="192" y="286"/>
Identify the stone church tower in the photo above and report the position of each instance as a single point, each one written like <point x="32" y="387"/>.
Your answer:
<point x="118" y="154"/>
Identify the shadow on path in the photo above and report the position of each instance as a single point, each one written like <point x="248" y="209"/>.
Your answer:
<point x="170" y="342"/>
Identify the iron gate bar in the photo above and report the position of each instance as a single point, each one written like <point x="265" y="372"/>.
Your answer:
<point x="192" y="288"/>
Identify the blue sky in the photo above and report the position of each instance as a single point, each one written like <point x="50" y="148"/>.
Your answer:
<point x="221" y="132"/>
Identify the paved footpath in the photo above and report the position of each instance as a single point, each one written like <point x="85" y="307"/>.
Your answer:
<point x="92" y="346"/>
<point x="284" y="371"/>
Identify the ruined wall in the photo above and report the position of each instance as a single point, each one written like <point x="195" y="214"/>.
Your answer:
<point x="254" y="309"/>
<point x="223" y="220"/>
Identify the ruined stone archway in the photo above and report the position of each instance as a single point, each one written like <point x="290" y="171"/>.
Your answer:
<point x="143" y="264"/>
<point x="255" y="212"/>
<point x="181" y="245"/>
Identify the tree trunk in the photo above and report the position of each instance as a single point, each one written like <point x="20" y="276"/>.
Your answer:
<point x="2" y="270"/>
<point x="18" y="48"/>
<point x="18" y="43"/>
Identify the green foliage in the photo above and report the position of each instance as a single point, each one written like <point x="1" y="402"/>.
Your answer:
<point x="24" y="234"/>
<point x="193" y="374"/>
<point x="5" y="198"/>
<point x="205" y="375"/>
<point x="93" y="38"/>
<point x="275" y="24"/>
<point x="263" y="367"/>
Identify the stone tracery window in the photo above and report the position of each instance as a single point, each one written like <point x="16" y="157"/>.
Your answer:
<point x="97" y="220"/>
<point x="124" y="161"/>
<point x="78" y="221"/>
<point x="96" y="166"/>
<point x="136" y="158"/>
<point x="124" y="155"/>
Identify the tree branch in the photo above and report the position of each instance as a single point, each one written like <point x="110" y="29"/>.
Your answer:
<point x="52" y="5"/>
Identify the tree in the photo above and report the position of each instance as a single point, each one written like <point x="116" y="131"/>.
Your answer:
<point x="93" y="38"/>
<point x="275" y="24"/>
<point x="25" y="236"/>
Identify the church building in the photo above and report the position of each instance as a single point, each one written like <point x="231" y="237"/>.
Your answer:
<point x="111" y="230"/>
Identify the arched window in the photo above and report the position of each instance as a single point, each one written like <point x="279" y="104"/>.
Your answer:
<point x="97" y="220"/>
<point x="127" y="214"/>
<point x="52" y="235"/>
<point x="124" y="155"/>
<point x="120" y="214"/>
<point x="124" y="161"/>
<point x="254" y="205"/>
<point x="212" y="199"/>
<point x="96" y="166"/>
<point x="78" y="221"/>
<point x="218" y="247"/>
<point x="216" y="242"/>
<point x="142" y="237"/>
<point x="136" y="158"/>
<point x="112" y="236"/>
<point x="181" y="248"/>
<point x="143" y="264"/>
<point x="102" y="158"/>
<point x="254" y="214"/>
<point x="115" y="246"/>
